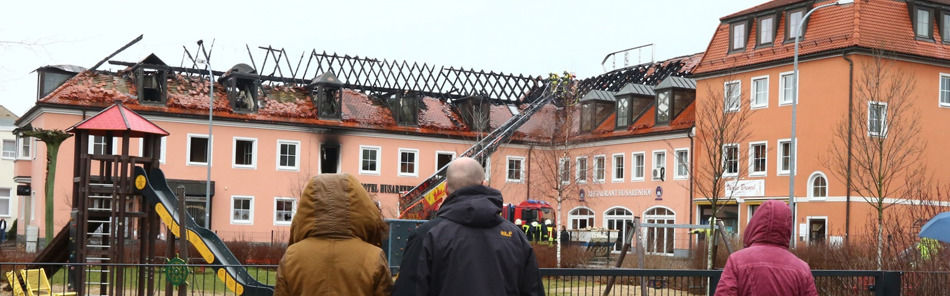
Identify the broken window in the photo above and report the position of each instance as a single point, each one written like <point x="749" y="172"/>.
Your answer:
<point x="151" y="85"/>
<point x="405" y="109"/>
<point x="242" y="93"/>
<point x="328" y="102"/>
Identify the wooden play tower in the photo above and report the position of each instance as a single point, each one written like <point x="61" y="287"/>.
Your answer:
<point x="110" y="222"/>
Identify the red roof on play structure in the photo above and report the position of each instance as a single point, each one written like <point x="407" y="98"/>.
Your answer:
<point x="118" y="119"/>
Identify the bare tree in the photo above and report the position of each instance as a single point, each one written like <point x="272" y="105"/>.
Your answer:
<point x="722" y="125"/>
<point x="877" y="151"/>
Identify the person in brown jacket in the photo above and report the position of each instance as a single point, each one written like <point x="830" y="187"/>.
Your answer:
<point x="335" y="242"/>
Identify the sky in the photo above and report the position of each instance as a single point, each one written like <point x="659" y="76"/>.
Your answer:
<point x="512" y="36"/>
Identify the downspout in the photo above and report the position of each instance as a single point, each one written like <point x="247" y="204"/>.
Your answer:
<point x="692" y="157"/>
<point x="847" y="212"/>
<point x="528" y="174"/>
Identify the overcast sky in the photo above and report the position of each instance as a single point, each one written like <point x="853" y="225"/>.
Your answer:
<point x="514" y="36"/>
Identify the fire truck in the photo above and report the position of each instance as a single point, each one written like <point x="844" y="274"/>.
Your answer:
<point x="529" y="211"/>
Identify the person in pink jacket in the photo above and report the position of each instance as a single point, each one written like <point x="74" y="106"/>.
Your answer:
<point x="765" y="266"/>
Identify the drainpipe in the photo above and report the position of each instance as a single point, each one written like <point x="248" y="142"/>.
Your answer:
<point x="528" y="174"/>
<point x="692" y="157"/>
<point x="847" y="213"/>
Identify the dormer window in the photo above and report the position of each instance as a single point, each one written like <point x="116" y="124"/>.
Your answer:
<point x="766" y="32"/>
<point x="587" y="116"/>
<point x="51" y="77"/>
<point x="596" y="106"/>
<point x="663" y="107"/>
<point x="475" y="112"/>
<point x="737" y="36"/>
<point x="623" y="112"/>
<point x="242" y="86"/>
<point x="327" y="93"/>
<point x="792" y="19"/>
<point x="922" y="23"/>
<point x="405" y="109"/>
<point x="673" y="94"/>
<point x="150" y="80"/>
<point x="945" y="21"/>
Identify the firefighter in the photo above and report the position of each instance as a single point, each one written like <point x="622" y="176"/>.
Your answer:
<point x="524" y="227"/>
<point x="550" y="234"/>
<point x="928" y="247"/>
<point x="534" y="233"/>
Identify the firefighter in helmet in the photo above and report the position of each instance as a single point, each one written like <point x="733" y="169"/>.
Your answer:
<point x="534" y="234"/>
<point x="550" y="233"/>
<point x="524" y="227"/>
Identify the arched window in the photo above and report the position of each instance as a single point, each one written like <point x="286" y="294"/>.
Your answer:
<point x="616" y="219"/>
<point x="580" y="218"/>
<point x="659" y="240"/>
<point x="818" y="185"/>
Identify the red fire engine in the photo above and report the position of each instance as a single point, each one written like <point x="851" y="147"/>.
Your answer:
<point x="529" y="211"/>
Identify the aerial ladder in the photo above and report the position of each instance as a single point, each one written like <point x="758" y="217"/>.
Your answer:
<point x="424" y="200"/>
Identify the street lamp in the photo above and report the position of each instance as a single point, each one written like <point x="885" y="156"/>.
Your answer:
<point x="210" y="151"/>
<point x="794" y="143"/>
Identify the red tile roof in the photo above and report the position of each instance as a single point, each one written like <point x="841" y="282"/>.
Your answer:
<point x="763" y="7"/>
<point x="880" y="24"/>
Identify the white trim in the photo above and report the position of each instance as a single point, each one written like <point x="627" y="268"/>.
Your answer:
<point x="293" y="210"/>
<point x="379" y="160"/>
<point x="437" y="153"/>
<point x="19" y="148"/>
<point x="808" y="227"/>
<point x="188" y="161"/>
<point x="508" y="160"/>
<point x="623" y="226"/>
<point x="940" y="103"/>
<point x="633" y="166"/>
<point x="561" y="163"/>
<point x="250" y="214"/>
<point x="234" y="164"/>
<point x="577" y="169"/>
<point x="725" y="158"/>
<point x="726" y="95"/>
<point x="15" y="148"/>
<point x="781" y="88"/>
<point x="656" y="207"/>
<point x="654" y="166"/>
<point x="415" y="162"/>
<point x="810" y="185"/>
<point x="296" y="166"/>
<point x="676" y="169"/>
<point x="613" y="168"/>
<point x="765" y="170"/>
<point x="571" y="217"/>
<point x="646" y="219"/>
<point x="593" y="176"/>
<point x="753" y="92"/>
<point x="883" y="132"/>
<point x="778" y="158"/>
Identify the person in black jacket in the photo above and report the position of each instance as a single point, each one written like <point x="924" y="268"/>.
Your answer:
<point x="468" y="249"/>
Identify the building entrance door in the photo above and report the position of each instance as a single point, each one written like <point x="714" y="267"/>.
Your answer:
<point x="616" y="219"/>
<point x="816" y="230"/>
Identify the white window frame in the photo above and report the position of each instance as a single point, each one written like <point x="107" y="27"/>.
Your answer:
<point x="741" y="26"/>
<point x="725" y="173"/>
<point x="753" y="92"/>
<point x="379" y="160"/>
<point x="778" y="164"/>
<point x="646" y="218"/>
<point x="436" y="162"/>
<point x="14" y="152"/>
<point x="592" y="218"/>
<point x="161" y="156"/>
<point x="614" y="164"/>
<point x="770" y="31"/>
<point x="250" y="215"/>
<point x="577" y="169"/>
<point x="633" y="166"/>
<point x="564" y="167"/>
<point x="655" y="165"/>
<point x="929" y="25"/>
<point x="30" y="142"/>
<point x="765" y="170"/>
<point x="188" y="150"/>
<point x="9" y="200"/>
<point x="940" y="87"/>
<point x="808" y="219"/>
<point x="782" y="100"/>
<point x="508" y="160"/>
<point x="680" y="175"/>
<point x="727" y="98"/>
<point x="234" y="163"/>
<point x="415" y="162"/>
<point x="811" y="185"/>
<point x="292" y="214"/>
<point x="793" y="27"/>
<point x="92" y="145"/>
<point x="883" y="132"/>
<point x="602" y="168"/>
<point x="488" y="169"/>
<point x="296" y="166"/>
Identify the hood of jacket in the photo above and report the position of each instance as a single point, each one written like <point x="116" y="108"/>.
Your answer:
<point x="771" y="224"/>
<point x="475" y="206"/>
<point x="337" y="207"/>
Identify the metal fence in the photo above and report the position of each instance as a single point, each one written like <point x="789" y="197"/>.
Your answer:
<point x="102" y="279"/>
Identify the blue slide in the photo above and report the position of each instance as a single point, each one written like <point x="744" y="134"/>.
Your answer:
<point x="235" y="277"/>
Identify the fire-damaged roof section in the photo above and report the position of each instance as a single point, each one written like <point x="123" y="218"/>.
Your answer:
<point x="647" y="74"/>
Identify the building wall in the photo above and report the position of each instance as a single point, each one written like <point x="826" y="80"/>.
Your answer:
<point x="8" y="196"/>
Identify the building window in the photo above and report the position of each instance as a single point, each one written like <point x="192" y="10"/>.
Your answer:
<point x="600" y="162"/>
<point x="752" y="209"/>
<point x="738" y="36"/>
<point x="369" y="160"/>
<point x="659" y="240"/>
<point x="9" y="149"/>
<point x="784" y="156"/>
<point x="877" y="119"/>
<point x="580" y="218"/>
<point x="245" y="153"/>
<point x="443" y="159"/>
<point x="197" y="149"/>
<point x="922" y="24"/>
<point x="98" y="145"/>
<point x="730" y="160"/>
<point x="581" y="171"/>
<point x="757" y="158"/>
<point x="242" y="209"/>
<point x="793" y="19"/>
<point x="288" y="155"/>
<point x="766" y="30"/>
<point x="786" y="87"/>
<point x="515" y="169"/>
<point x="618" y="167"/>
<point x="946" y="26"/>
<point x="564" y="170"/>
<point x="623" y="112"/>
<point x="5" y="195"/>
<point x="945" y="89"/>
<point x="639" y="162"/>
<point x="25" y="147"/>
<point x="617" y="219"/>
<point x="663" y="107"/>
<point x="659" y="165"/>
<point x="284" y="210"/>
<point x="682" y="163"/>
<point x="760" y="92"/>
<point x="733" y="94"/>
<point x="818" y="185"/>
<point x="151" y="85"/>
<point x="408" y="162"/>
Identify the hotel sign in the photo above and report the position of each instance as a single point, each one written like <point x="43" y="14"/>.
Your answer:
<point x="619" y="192"/>
<point x="742" y="188"/>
